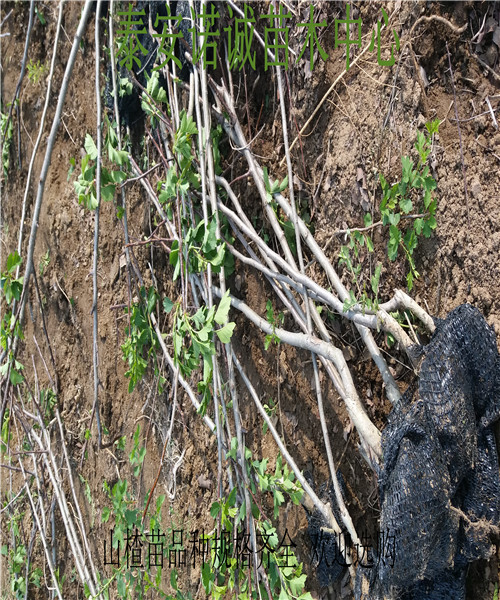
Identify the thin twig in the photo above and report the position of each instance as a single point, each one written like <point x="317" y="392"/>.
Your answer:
<point x="94" y="311"/>
<point x="23" y="69"/>
<point x="491" y="71"/>
<point x="325" y="510"/>
<point x="43" y="539"/>
<point x="119" y="136"/>
<point x="40" y="132"/>
<point x="167" y="441"/>
<point x="48" y="154"/>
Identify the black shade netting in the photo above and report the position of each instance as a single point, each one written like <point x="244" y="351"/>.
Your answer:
<point x="328" y="549"/>
<point x="440" y="484"/>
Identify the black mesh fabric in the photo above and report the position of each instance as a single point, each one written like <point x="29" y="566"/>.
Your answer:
<point x="479" y="499"/>
<point x="415" y="503"/>
<point x="326" y="548"/>
<point x="445" y="388"/>
<point x="440" y="483"/>
<point x="466" y="334"/>
<point x="450" y="585"/>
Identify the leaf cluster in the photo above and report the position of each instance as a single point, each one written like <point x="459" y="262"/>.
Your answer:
<point x="6" y="132"/>
<point x="276" y="322"/>
<point x="193" y="339"/>
<point x="181" y="177"/>
<point x="412" y="193"/>
<point x="284" y="573"/>
<point x="85" y="185"/>
<point x="154" y="96"/>
<point x="36" y="70"/>
<point x="129" y="529"/>
<point x="350" y="257"/>
<point x="200" y="247"/>
<point x="141" y="344"/>
<point x="11" y="288"/>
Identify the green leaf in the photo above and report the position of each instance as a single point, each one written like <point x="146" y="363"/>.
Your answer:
<point x="226" y="332"/>
<point x="117" y="176"/>
<point x="207" y="577"/>
<point x="173" y="579"/>
<point x="283" y="594"/>
<point x="429" y="225"/>
<point x="375" y="280"/>
<point x="223" y="309"/>
<point x="266" y="179"/>
<point x="242" y="513"/>
<point x="88" y="200"/>
<point x="394" y="239"/>
<point x="394" y="218"/>
<point x="125" y="87"/>
<point x="231" y="500"/>
<point x="108" y="192"/>
<point x="15" y="377"/>
<point x="289" y="231"/>
<point x="427" y="198"/>
<point x="187" y="125"/>
<point x="263" y="466"/>
<point x="297" y="584"/>
<point x="72" y="167"/>
<point x="121" y="586"/>
<point x="170" y="184"/>
<point x="410" y="240"/>
<point x="215" y="509"/>
<point x="283" y="184"/>
<point x="90" y="147"/>
<point x="219" y="257"/>
<point x="210" y="237"/>
<point x="407" y="165"/>
<point x="167" y="305"/>
<point x="409" y="280"/>
<point x="119" y="157"/>
<point x="154" y="89"/>
<point x="406" y="205"/>
<point x="13" y="260"/>
<point x="433" y="126"/>
<point x="40" y="16"/>
<point x="199" y="317"/>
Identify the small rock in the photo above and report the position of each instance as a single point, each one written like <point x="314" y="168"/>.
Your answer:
<point x="204" y="482"/>
<point x="421" y="121"/>
<point x="349" y="353"/>
<point x="475" y="188"/>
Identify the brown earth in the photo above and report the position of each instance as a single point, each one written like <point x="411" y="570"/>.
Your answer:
<point x="366" y="124"/>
